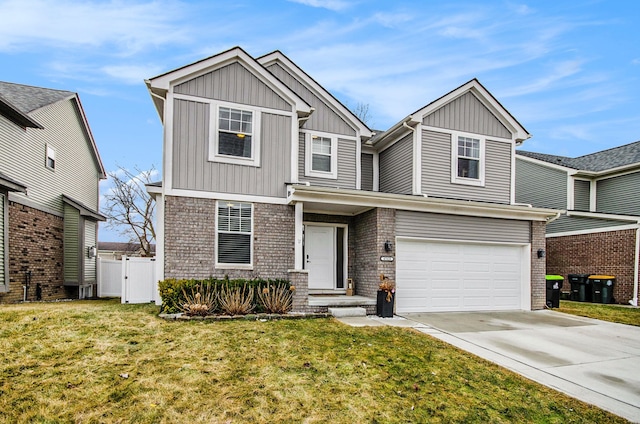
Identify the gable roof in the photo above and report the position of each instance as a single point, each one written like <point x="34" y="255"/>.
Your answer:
<point x="480" y="92"/>
<point x="613" y="158"/>
<point x="17" y="101"/>
<point x="278" y="57"/>
<point x="159" y="85"/>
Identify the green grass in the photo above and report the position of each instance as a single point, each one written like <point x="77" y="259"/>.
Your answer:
<point x="64" y="362"/>
<point x="612" y="313"/>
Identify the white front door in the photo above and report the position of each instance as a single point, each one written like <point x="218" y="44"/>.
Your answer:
<point x="320" y="255"/>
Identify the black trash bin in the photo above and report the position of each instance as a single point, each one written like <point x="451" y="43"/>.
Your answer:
<point x="554" y="284"/>
<point x="580" y="287"/>
<point x="602" y="288"/>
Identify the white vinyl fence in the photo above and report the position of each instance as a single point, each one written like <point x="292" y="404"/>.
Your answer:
<point x="132" y="279"/>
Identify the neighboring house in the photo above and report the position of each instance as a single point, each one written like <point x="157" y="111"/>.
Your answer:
<point x="267" y="175"/>
<point x="49" y="174"/>
<point x="116" y="250"/>
<point x="599" y="232"/>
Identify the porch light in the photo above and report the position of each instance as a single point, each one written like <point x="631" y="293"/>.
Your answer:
<point x="388" y="246"/>
<point x="541" y="253"/>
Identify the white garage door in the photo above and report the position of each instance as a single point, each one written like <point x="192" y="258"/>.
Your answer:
<point x="442" y="276"/>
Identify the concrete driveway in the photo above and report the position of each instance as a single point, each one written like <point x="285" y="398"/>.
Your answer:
<point x="594" y="361"/>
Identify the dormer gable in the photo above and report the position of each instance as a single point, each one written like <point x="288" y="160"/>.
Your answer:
<point x="199" y="79"/>
<point x="330" y="114"/>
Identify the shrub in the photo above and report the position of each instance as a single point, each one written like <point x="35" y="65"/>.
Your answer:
<point x="199" y="300"/>
<point x="236" y="300"/>
<point x="276" y="299"/>
<point x="173" y="296"/>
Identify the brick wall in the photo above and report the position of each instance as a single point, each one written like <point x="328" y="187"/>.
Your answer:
<point x="35" y="244"/>
<point x="190" y="240"/>
<point x="609" y="253"/>
<point x="538" y="266"/>
<point x="372" y="229"/>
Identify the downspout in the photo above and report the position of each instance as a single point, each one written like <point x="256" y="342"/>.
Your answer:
<point x="415" y="174"/>
<point x="634" y="301"/>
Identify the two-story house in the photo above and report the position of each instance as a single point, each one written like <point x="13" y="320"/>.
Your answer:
<point x="600" y="231"/>
<point x="266" y="174"/>
<point x="49" y="174"/>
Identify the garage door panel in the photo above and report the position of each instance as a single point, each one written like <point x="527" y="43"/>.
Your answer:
<point x="456" y="276"/>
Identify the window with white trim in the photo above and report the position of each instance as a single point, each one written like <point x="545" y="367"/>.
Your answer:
<point x="51" y="158"/>
<point x="234" y="136"/>
<point x="468" y="160"/>
<point x="321" y="157"/>
<point x="234" y="233"/>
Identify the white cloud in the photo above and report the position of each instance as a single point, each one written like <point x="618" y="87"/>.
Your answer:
<point x="131" y="74"/>
<point x="335" y="5"/>
<point x="127" y="27"/>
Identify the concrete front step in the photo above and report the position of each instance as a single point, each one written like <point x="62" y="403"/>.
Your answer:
<point x="348" y="312"/>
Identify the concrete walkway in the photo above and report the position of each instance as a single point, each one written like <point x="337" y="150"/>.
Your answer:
<point x="595" y="361"/>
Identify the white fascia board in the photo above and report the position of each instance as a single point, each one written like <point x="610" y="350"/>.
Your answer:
<point x="225" y="196"/>
<point x="566" y="169"/>
<point x="416" y="203"/>
<point x="395" y="133"/>
<point x="168" y="80"/>
<point x="618" y="172"/>
<point x="593" y="231"/>
<point x="599" y="215"/>
<point x="317" y="89"/>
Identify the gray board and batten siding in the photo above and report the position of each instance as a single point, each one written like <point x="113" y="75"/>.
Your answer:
<point x="234" y="83"/>
<point x="436" y="170"/>
<point x="71" y="245"/>
<point x="580" y="223"/>
<point x="581" y="195"/>
<point x="457" y="227"/>
<point x="90" y="275"/>
<point x="366" y="171"/>
<point x="396" y="167"/>
<point x="467" y="114"/>
<point x="324" y="118"/>
<point x="619" y="195"/>
<point x="23" y="157"/>
<point x="193" y="171"/>
<point x="346" y="165"/>
<point x="540" y="185"/>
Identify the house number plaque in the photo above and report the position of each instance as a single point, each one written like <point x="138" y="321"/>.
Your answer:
<point x="386" y="258"/>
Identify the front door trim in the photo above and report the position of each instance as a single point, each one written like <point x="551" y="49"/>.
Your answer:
<point x="345" y="261"/>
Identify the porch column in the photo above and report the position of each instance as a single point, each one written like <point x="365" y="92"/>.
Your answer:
<point x="298" y="234"/>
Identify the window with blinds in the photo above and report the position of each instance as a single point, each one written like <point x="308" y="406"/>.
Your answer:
<point x="234" y="232"/>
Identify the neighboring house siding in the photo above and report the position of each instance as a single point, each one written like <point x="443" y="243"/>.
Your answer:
<point x="324" y="118"/>
<point x="89" y="241"/>
<point x="456" y="227"/>
<point x="540" y="186"/>
<point x="581" y="195"/>
<point x="23" y="153"/>
<point x="71" y="244"/>
<point x="619" y="195"/>
<point x="579" y="223"/>
<point x="467" y="114"/>
<point x="366" y="171"/>
<point x="436" y="170"/>
<point x="233" y="83"/>
<point x="346" y="165"/>
<point x="396" y="167"/>
<point x="192" y="170"/>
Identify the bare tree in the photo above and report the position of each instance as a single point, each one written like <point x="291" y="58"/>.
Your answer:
<point x="129" y="208"/>
<point x="361" y="110"/>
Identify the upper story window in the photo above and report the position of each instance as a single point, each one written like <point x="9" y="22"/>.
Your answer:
<point x="234" y="234"/>
<point x="51" y="158"/>
<point x="467" y="160"/>
<point x="235" y="138"/>
<point x="321" y="156"/>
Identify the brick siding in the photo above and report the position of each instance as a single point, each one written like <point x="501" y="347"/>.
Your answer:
<point x="538" y="266"/>
<point x="190" y="240"/>
<point x="607" y="253"/>
<point x="35" y="244"/>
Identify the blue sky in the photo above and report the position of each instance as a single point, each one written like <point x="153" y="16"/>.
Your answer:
<point x="567" y="70"/>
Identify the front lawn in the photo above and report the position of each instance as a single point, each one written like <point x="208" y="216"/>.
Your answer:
<point x="612" y="313"/>
<point x="102" y="362"/>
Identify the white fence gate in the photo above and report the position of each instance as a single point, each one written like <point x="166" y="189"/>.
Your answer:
<point x="133" y="279"/>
